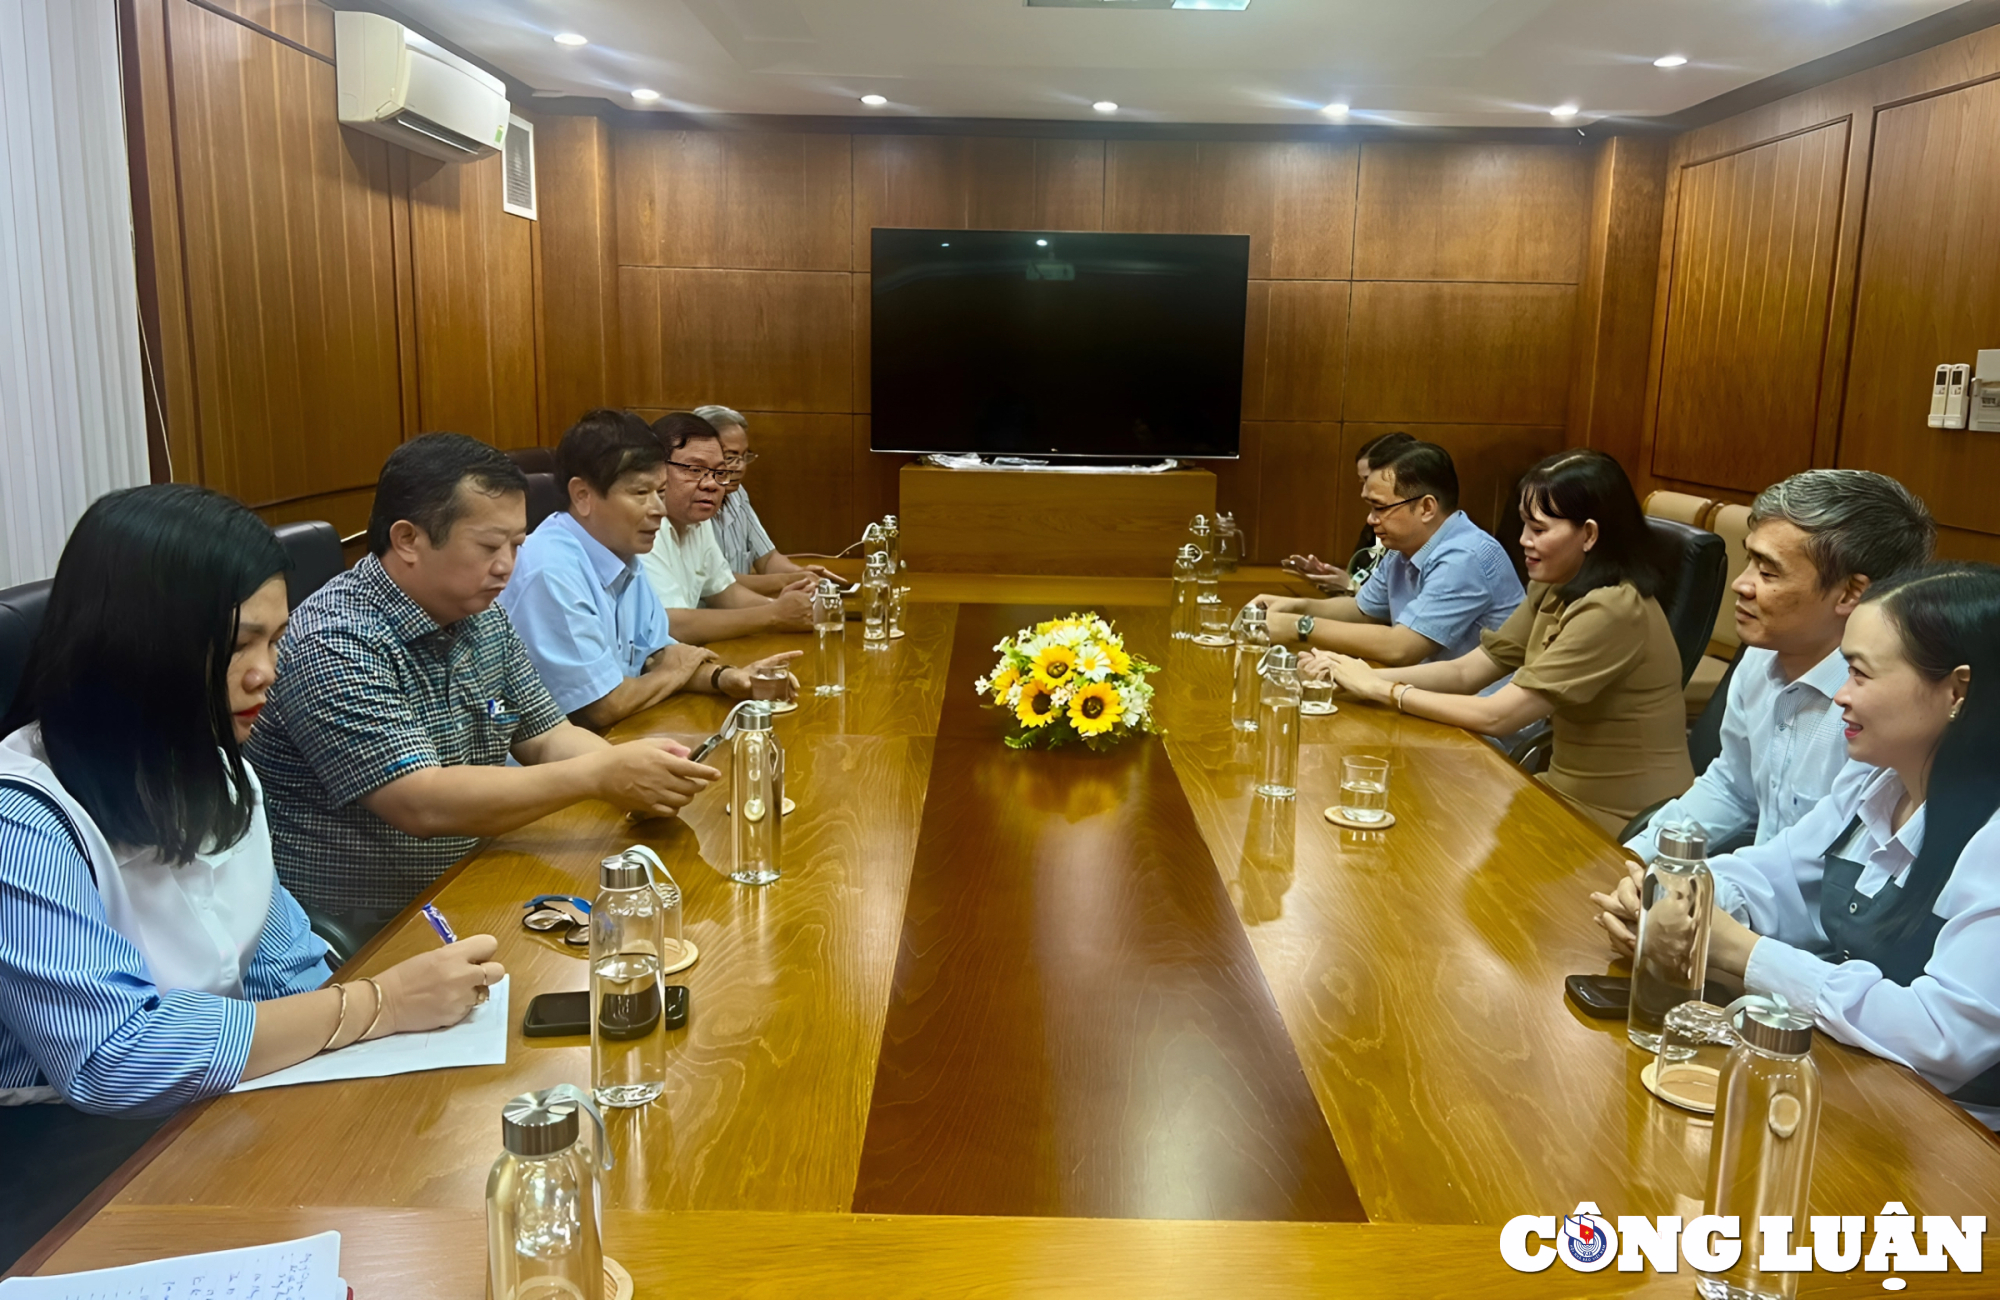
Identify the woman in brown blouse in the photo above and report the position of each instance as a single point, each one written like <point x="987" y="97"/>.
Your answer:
<point x="1589" y="648"/>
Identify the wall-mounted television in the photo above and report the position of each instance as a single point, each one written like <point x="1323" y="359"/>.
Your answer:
<point x="1049" y="343"/>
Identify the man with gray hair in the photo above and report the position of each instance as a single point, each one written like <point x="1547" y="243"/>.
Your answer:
<point x="1816" y="542"/>
<point x="756" y="560"/>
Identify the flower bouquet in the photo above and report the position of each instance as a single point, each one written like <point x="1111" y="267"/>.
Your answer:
<point x="1070" y="679"/>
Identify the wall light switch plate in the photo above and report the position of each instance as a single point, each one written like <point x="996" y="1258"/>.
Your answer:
<point x="1940" y="385"/>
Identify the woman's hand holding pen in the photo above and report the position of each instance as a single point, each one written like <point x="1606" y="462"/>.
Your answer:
<point x="437" y="988"/>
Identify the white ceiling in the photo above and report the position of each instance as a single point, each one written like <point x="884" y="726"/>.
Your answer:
<point x="1496" y="63"/>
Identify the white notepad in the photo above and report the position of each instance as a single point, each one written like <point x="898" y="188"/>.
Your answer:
<point x="306" y="1269"/>
<point x="479" y="1039"/>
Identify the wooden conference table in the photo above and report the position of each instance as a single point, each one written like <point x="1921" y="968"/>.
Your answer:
<point x="1054" y="1023"/>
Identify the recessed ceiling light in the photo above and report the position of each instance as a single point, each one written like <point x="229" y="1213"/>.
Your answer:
<point x="874" y="101"/>
<point x="1041" y="243"/>
<point x="572" y="38"/>
<point x="1337" y="108"/>
<point x="1670" y="60"/>
<point x="645" y="96"/>
<point x="1563" y="110"/>
<point x="1105" y="106"/>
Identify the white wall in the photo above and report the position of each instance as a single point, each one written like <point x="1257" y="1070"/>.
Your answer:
<point x="72" y="413"/>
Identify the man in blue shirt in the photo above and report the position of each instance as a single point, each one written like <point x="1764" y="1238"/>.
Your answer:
<point x="1443" y="580"/>
<point x="591" y="624"/>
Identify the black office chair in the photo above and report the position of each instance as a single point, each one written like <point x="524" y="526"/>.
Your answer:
<point x="534" y="460"/>
<point x="21" y="610"/>
<point x="1697" y="562"/>
<point x="544" y="499"/>
<point x="316" y="557"/>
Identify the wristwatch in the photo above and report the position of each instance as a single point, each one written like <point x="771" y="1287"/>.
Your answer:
<point x="1306" y="622"/>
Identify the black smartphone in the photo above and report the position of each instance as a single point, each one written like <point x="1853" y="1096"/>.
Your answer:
<point x="1609" y="997"/>
<point x="561" y="1015"/>
<point x="557" y="1015"/>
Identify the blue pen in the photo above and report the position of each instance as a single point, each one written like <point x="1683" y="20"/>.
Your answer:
<point x="438" y="923"/>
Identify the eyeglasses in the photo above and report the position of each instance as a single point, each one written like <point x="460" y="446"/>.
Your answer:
<point x="741" y="460"/>
<point x="1378" y="512"/>
<point x="563" y="916"/>
<point x="701" y="472"/>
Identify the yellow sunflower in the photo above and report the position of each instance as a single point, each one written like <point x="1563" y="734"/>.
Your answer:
<point x="1004" y="679"/>
<point x="1038" y="705"/>
<point x="1055" y="665"/>
<point x="1094" y="709"/>
<point x="1121" y="663"/>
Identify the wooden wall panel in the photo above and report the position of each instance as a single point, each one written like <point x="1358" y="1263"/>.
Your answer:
<point x="1294" y="200"/>
<point x="943" y="182"/>
<point x="861" y="292"/>
<point x="476" y="314"/>
<point x="1069" y="184"/>
<point x="734" y="199"/>
<point x="1614" y="328"/>
<point x="1300" y="475"/>
<point x="1471" y="212"/>
<point x="1239" y="486"/>
<point x="1305" y="350"/>
<point x="1926" y="293"/>
<point x="1440" y="352"/>
<point x="309" y="22"/>
<point x="1752" y="276"/>
<point x="755" y="340"/>
<point x="289" y="292"/>
<point x="579" y="269"/>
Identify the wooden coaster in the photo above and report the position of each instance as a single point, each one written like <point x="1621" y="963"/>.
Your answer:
<point x="1213" y="640"/>
<point x="1318" y="711"/>
<point x="784" y="706"/>
<point x="1388" y="820"/>
<point x="617" y="1282"/>
<point x="689" y="955"/>
<point x="898" y="634"/>
<point x="1649" y="1074"/>
<point x="786" y="811"/>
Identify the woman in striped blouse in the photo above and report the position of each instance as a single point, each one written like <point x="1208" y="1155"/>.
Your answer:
<point x="148" y="954"/>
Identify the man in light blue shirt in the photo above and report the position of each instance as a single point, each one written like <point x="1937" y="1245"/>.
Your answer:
<point x="596" y="633"/>
<point x="1442" y="581"/>
<point x="1816" y="543"/>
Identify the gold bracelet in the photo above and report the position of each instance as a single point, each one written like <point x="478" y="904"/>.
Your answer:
<point x="1396" y="694"/>
<point x="337" y="1024"/>
<point x="381" y="1004"/>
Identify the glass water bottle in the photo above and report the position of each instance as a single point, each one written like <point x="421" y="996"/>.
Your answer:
<point x="875" y="596"/>
<point x="874" y="542"/>
<point x="1278" y="725"/>
<point x="543" y="1232"/>
<point x="628" y="937"/>
<point x="1676" y="909"/>
<point x="1228" y="542"/>
<point x="892" y="546"/>
<point x="757" y="799"/>
<point x="1252" y="640"/>
<point x="1761" y="1153"/>
<point x="830" y="637"/>
<point x="1186" y="616"/>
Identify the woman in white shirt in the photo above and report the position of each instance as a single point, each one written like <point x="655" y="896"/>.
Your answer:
<point x="1879" y="911"/>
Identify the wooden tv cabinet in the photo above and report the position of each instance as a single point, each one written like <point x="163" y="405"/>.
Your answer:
<point x="1048" y="522"/>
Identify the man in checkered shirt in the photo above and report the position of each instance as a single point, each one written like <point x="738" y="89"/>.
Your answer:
<point x="402" y="690"/>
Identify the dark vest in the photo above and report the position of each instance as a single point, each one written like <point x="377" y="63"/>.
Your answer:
<point x="1854" y="929"/>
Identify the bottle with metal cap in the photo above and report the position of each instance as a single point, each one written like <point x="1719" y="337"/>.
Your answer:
<point x="628" y="941"/>
<point x="830" y="639"/>
<point x="874" y="542"/>
<point x="543" y="1234"/>
<point x="1252" y="640"/>
<point x="1278" y="725"/>
<point x="1676" y="908"/>
<point x="757" y="799"/>
<point x="1185" y="620"/>
<point x="892" y="546"/>
<point x="875" y="596"/>
<point x="1760" y="1156"/>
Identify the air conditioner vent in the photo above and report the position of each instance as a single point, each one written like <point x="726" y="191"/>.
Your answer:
<point x="518" y="176"/>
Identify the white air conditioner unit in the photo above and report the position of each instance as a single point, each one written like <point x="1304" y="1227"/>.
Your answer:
<point x="412" y="92"/>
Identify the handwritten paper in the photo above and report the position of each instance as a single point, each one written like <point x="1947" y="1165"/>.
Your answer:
<point x="479" y="1039"/>
<point x="306" y="1269"/>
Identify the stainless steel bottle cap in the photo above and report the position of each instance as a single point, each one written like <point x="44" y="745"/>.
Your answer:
<point x="625" y="871"/>
<point x="889" y="520"/>
<point x="536" y="1124"/>
<point x="1189" y="551"/>
<point x="878" y="562"/>
<point x="1686" y="839"/>
<point x="1279" y="659"/>
<point x="756" y="716"/>
<point x="1254" y="614"/>
<point x="828" y="587"/>
<point x="1775" y="1028"/>
<point x="1200" y="524"/>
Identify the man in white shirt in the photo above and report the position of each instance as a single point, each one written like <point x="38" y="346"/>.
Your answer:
<point x="1817" y="540"/>
<point x="686" y="567"/>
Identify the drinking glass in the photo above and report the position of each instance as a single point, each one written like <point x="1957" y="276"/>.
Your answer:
<point x="1315" y="696"/>
<point x="1695" y="1041"/>
<point x="1214" y="622"/>
<point x="1364" y="789"/>
<point x="770" y="682"/>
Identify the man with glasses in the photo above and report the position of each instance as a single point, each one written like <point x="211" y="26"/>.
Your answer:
<point x="687" y="569"/>
<point x="586" y="615"/>
<point x="752" y="555"/>
<point x="1442" y="581"/>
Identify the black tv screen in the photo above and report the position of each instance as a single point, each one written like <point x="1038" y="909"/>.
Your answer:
<point x="1053" y="343"/>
